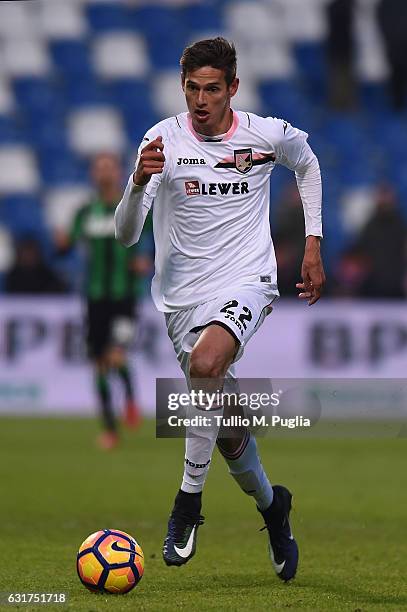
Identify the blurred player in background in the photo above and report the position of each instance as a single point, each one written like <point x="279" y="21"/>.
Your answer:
<point x="207" y="172"/>
<point x="113" y="278"/>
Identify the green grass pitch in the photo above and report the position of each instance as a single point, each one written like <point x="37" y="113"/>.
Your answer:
<point x="350" y="500"/>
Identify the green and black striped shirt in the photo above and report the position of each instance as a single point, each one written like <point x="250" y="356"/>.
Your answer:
<point x="109" y="274"/>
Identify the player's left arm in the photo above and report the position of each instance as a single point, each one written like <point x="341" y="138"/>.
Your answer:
<point x="294" y="152"/>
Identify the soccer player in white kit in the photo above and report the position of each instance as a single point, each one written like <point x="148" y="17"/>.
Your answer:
<point x="207" y="173"/>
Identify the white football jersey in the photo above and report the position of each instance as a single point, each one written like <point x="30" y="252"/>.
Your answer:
<point x="211" y="206"/>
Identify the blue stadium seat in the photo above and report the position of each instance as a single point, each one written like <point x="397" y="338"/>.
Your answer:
<point x="390" y="132"/>
<point x="168" y="52"/>
<point x="133" y="98"/>
<point x="349" y="132"/>
<point x="11" y="131"/>
<point x="396" y="175"/>
<point x="22" y="214"/>
<point x="71" y="57"/>
<point x="204" y="17"/>
<point x="107" y="17"/>
<point x="43" y="115"/>
<point x="374" y="98"/>
<point x="46" y="132"/>
<point x="401" y="187"/>
<point x="335" y="238"/>
<point x="86" y="92"/>
<point x="138" y="123"/>
<point x="359" y="161"/>
<point x="62" y="169"/>
<point x="43" y="109"/>
<point x="281" y="177"/>
<point x="311" y="61"/>
<point x="323" y="148"/>
<point x="284" y="99"/>
<point x="166" y="25"/>
<point x="38" y="94"/>
<point x="158" y="20"/>
<point x="356" y="171"/>
<point x="130" y="95"/>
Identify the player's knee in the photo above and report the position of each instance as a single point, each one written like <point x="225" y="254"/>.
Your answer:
<point x="204" y="365"/>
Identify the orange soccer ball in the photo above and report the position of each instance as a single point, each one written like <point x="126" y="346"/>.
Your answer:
<point x="110" y="561"/>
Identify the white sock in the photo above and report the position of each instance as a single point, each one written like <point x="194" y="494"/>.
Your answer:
<point x="247" y="470"/>
<point x="199" y="444"/>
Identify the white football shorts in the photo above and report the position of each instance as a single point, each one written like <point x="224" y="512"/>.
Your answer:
<point x="241" y="311"/>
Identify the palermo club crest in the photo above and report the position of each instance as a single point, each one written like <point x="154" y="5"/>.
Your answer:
<point x="243" y="160"/>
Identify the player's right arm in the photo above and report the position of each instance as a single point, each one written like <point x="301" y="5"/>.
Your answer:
<point x="138" y="196"/>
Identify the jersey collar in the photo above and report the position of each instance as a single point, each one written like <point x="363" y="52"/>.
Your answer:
<point x="227" y="136"/>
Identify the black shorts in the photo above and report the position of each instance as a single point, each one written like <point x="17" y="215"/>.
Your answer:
<point x="109" y="323"/>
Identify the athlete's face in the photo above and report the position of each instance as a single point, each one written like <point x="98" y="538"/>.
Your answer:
<point x="106" y="173"/>
<point x="208" y="99"/>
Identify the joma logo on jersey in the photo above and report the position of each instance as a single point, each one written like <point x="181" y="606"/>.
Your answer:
<point x="195" y="188"/>
<point x="191" y="161"/>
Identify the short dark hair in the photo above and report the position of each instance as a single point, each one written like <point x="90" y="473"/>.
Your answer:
<point x="215" y="52"/>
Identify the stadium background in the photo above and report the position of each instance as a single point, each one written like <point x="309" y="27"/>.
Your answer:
<point x="83" y="76"/>
<point x="77" y="76"/>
